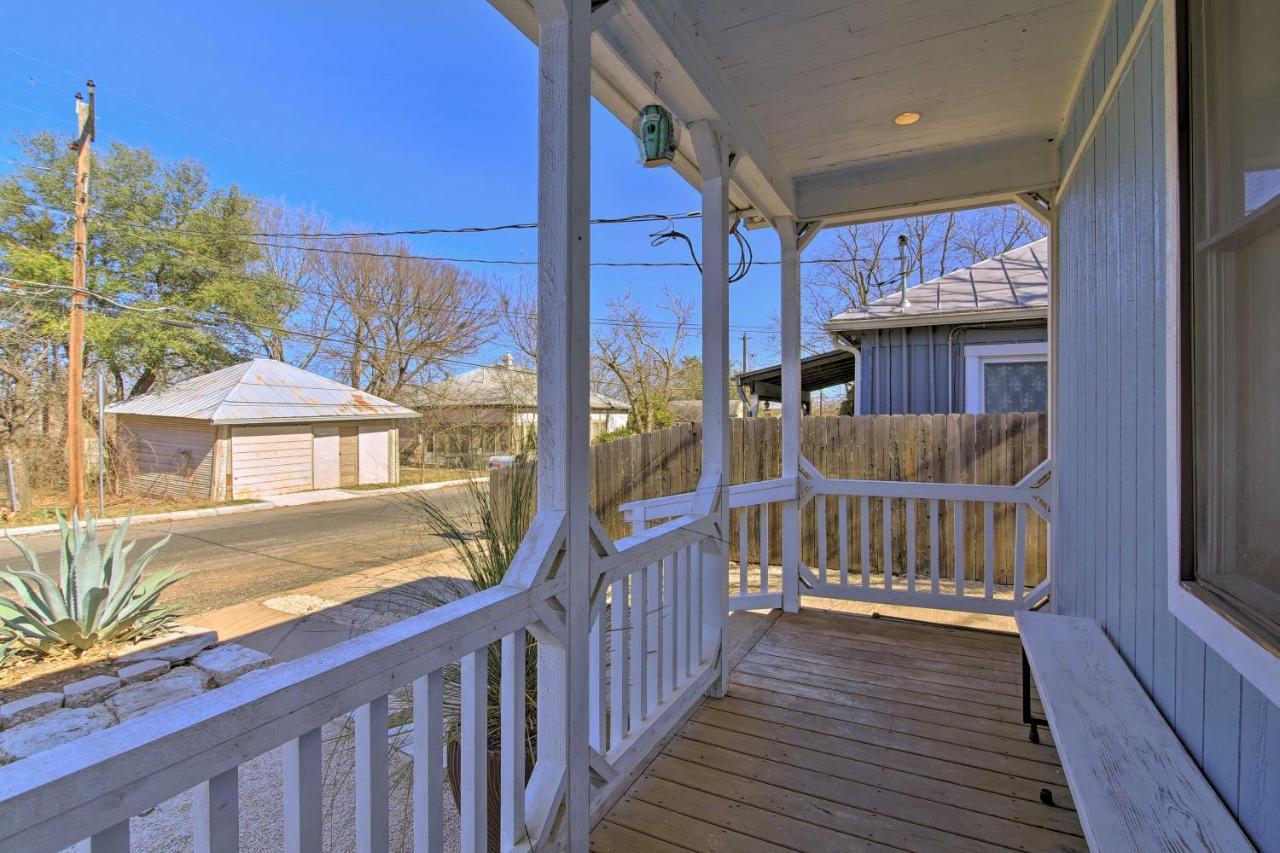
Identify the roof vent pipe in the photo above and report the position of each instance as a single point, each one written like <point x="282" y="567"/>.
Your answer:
<point x="903" y="302"/>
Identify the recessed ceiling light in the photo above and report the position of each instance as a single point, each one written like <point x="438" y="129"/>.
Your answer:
<point x="904" y="119"/>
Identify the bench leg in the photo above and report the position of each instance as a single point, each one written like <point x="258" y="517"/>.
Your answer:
<point x="1034" y="722"/>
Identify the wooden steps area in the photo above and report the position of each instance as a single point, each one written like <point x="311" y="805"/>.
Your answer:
<point x="845" y="732"/>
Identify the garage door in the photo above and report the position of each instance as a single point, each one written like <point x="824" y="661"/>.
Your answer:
<point x="270" y="460"/>
<point x="374" y="453"/>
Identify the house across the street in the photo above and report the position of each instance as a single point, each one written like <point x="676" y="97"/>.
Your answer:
<point x="255" y="429"/>
<point x="494" y="409"/>
<point x="973" y="340"/>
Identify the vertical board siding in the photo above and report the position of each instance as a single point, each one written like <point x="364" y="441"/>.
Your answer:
<point x="905" y="371"/>
<point x="1110" y="515"/>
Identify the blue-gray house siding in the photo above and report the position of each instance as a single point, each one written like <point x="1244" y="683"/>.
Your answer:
<point x="1109" y="523"/>
<point x="920" y="370"/>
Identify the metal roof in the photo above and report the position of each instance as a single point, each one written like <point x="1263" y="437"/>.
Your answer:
<point x="261" y="391"/>
<point x="499" y="384"/>
<point x="1010" y="286"/>
<point x="824" y="370"/>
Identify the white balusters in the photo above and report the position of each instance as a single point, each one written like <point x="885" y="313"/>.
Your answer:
<point x="911" y="544"/>
<point x="619" y="680"/>
<point x="842" y="531"/>
<point x="864" y="538"/>
<point x="303" y="793"/>
<point x="475" y="752"/>
<point x="820" y="525"/>
<point x="935" y="546"/>
<point x="670" y="618"/>
<point x="886" y="541"/>
<point x="958" y="545"/>
<point x="1020" y="553"/>
<point x="514" y="662"/>
<point x="371" y="777"/>
<point x="989" y="549"/>
<point x="428" y="763"/>
<point x="216" y="814"/>
<point x="639" y="649"/>
<point x="599" y="685"/>
<point x="764" y="548"/>
<point x="743" y="515"/>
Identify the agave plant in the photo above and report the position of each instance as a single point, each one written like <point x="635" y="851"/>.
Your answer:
<point x="99" y="596"/>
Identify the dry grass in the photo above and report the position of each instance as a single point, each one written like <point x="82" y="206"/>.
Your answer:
<point x="43" y="507"/>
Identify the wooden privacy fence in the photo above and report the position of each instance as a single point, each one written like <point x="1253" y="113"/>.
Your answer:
<point x="986" y="449"/>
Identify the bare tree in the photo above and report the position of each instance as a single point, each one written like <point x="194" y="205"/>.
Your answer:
<point x="518" y="320"/>
<point x="288" y="264"/>
<point x="865" y="258"/>
<point x="399" y="320"/>
<point x="645" y="360"/>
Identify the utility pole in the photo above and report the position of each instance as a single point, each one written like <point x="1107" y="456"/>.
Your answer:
<point x="744" y="352"/>
<point x="75" y="333"/>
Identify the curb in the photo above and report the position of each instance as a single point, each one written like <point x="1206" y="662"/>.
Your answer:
<point x="212" y="511"/>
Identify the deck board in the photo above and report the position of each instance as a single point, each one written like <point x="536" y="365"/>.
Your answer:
<point x="850" y="733"/>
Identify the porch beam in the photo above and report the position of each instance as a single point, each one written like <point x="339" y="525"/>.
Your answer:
<point x="713" y="157"/>
<point x="789" y="245"/>
<point x="951" y="179"/>
<point x="694" y="89"/>
<point x="564" y="108"/>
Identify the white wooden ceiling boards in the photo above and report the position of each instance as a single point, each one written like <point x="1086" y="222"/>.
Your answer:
<point x="807" y="91"/>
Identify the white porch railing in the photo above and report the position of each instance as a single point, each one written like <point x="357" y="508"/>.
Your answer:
<point x="655" y="644"/>
<point x="940" y="545"/>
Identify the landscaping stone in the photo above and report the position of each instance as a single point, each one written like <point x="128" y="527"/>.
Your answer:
<point x="227" y="663"/>
<point x="28" y="708"/>
<point x="142" y="671"/>
<point x="180" y="645"/>
<point x="59" y="727"/>
<point x="188" y="671"/>
<point x="138" y="699"/>
<point x="89" y="691"/>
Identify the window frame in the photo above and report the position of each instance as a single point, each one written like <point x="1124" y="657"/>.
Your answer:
<point x="1190" y="602"/>
<point x="977" y="356"/>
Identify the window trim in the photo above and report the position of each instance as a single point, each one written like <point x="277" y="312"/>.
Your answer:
<point x="1189" y="601"/>
<point x="978" y="355"/>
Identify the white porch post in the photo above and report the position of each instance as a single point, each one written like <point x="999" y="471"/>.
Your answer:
<point x="713" y="162"/>
<point x="790" y="297"/>
<point x="564" y="93"/>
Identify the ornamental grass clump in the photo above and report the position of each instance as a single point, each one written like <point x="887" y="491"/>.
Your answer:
<point x="98" y="597"/>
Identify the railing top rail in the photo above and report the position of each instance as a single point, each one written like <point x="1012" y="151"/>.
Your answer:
<point x="740" y="495"/>
<point x="939" y="491"/>
<point x="67" y="793"/>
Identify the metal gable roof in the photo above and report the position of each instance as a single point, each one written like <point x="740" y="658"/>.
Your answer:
<point x="1006" y="287"/>
<point x="500" y="384"/>
<point x="261" y="391"/>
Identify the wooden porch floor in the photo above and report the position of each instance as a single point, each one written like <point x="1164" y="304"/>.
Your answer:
<point x="844" y="732"/>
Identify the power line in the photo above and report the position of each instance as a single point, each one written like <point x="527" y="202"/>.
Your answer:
<point x="218" y="321"/>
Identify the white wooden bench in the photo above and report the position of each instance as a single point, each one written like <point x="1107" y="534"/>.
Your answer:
<point x="1134" y="785"/>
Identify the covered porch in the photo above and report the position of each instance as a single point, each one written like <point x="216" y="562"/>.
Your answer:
<point x="829" y="731"/>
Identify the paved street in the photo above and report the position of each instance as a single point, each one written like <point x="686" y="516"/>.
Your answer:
<point x="245" y="556"/>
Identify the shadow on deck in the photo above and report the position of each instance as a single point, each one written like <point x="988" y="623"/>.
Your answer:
<point x="846" y="732"/>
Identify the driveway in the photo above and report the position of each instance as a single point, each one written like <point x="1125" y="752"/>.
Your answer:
<point x="245" y="556"/>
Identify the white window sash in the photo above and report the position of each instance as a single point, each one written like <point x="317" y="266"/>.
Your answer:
<point x="977" y="356"/>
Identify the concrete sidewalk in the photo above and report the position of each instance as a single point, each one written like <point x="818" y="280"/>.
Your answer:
<point x="315" y="496"/>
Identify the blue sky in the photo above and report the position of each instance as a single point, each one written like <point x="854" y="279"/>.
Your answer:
<point x="382" y="115"/>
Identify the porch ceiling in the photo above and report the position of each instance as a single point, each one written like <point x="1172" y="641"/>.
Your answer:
<point x="807" y="90"/>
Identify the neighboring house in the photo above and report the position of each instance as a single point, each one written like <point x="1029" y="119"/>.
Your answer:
<point x="494" y="409"/>
<point x="690" y="411"/>
<point x="255" y="429"/>
<point x="974" y="340"/>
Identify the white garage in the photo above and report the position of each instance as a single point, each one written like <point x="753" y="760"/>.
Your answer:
<point x="256" y="429"/>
